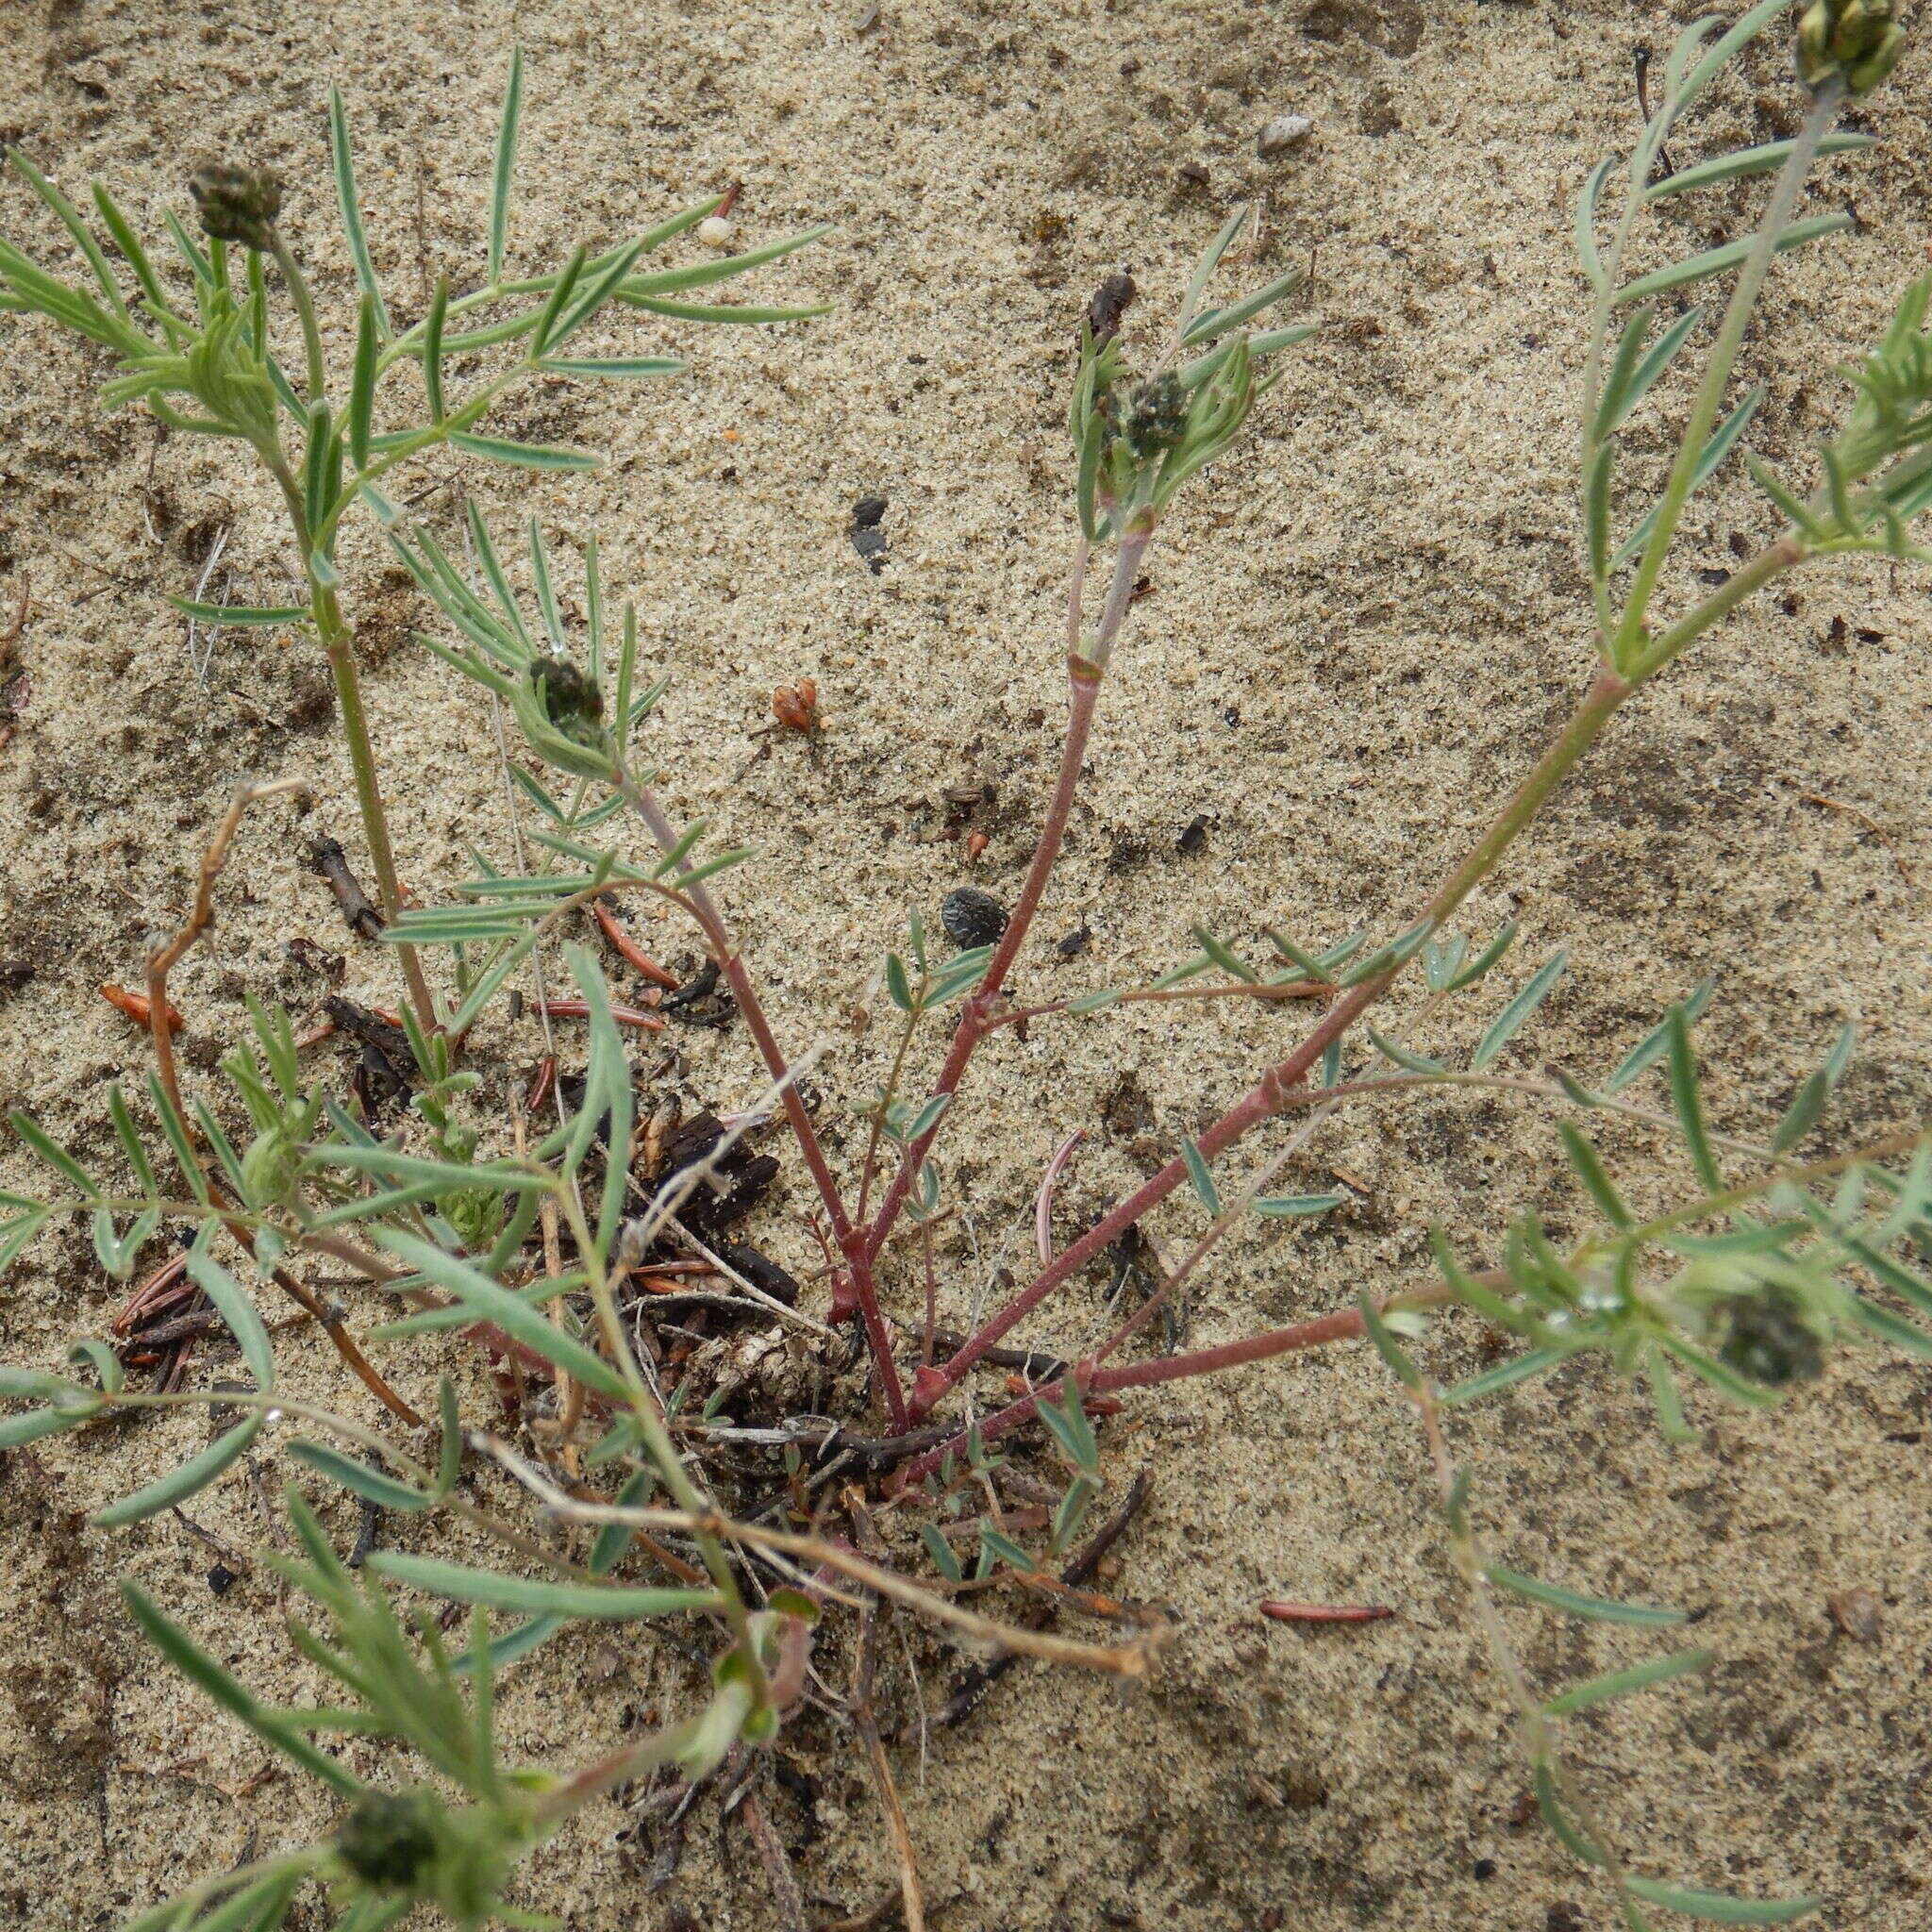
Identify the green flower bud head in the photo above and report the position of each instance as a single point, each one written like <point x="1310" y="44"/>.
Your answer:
<point x="1153" y="416"/>
<point x="1857" y="40"/>
<point x="389" y="1842"/>
<point x="1768" y="1339"/>
<point x="271" y="1167"/>
<point x="561" y="713"/>
<point x="237" y="203"/>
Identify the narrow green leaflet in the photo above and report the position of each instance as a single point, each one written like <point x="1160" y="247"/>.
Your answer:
<point x="509" y="1311"/>
<point x="1518" y="1369"/>
<point x="1654" y="1044"/>
<point x="1518" y="1010"/>
<point x="242" y="613"/>
<point x="1722" y="1905"/>
<point x="944" y="1559"/>
<point x="1688" y="1099"/>
<point x="385" y="1491"/>
<point x="1716" y="261"/>
<point x="1391" y="1050"/>
<point x="1203" y="1180"/>
<point x="1722" y="438"/>
<point x="1586" y="221"/>
<point x="1598" y="1609"/>
<point x="620" y="366"/>
<point x="1290" y="1206"/>
<point x="1621" y="1683"/>
<point x="1661" y="355"/>
<point x="505" y="166"/>
<point x="527" y="456"/>
<point x="195" y="1664"/>
<point x="1595" y="1177"/>
<point x="178" y="1485"/>
<point x="1748" y="161"/>
<point x="233" y="1305"/>
<point x="1809" y="1102"/>
<point x="352" y="207"/>
<point x="499" y="1593"/>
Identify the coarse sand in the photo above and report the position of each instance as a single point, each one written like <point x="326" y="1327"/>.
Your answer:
<point x="1361" y="626"/>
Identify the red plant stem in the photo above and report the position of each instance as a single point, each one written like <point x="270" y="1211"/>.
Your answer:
<point x="1086" y="667"/>
<point x="851" y="1241"/>
<point x="1279" y="990"/>
<point x="1347" y="1325"/>
<point x="1271" y="1094"/>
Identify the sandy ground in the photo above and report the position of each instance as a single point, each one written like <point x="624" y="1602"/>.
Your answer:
<point x="1366" y="621"/>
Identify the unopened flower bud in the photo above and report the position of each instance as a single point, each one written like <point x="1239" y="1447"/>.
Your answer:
<point x="1153" y="416"/>
<point x="237" y="203"/>
<point x="1767" y="1338"/>
<point x="570" y="700"/>
<point x="389" y="1842"/>
<point x="1857" y="40"/>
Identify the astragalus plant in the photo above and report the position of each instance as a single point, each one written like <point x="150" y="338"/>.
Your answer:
<point x="533" y="1236"/>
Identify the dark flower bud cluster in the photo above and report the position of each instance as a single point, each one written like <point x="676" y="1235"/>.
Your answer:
<point x="570" y="701"/>
<point x="388" y="1840"/>
<point x="1768" y="1340"/>
<point x="1153" y="416"/>
<point x="237" y="203"/>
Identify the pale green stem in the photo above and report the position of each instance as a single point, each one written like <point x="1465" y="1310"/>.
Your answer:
<point x="297" y="285"/>
<point x="1627" y="646"/>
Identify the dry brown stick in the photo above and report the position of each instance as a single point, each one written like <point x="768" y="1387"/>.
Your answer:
<point x="882" y="1774"/>
<point x="160" y="962"/>
<point x="783" y="1881"/>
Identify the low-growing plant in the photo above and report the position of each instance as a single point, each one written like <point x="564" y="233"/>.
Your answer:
<point x="531" y="1237"/>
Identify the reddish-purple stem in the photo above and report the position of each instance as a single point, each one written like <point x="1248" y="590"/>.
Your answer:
<point x="1343" y="1327"/>
<point x="711" y="921"/>
<point x="1086" y="667"/>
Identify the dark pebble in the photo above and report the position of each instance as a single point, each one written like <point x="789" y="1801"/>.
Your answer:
<point x="219" y="1578"/>
<point x="867" y="513"/>
<point x="1194" y="835"/>
<point x="1486" y="1868"/>
<point x="972" y="918"/>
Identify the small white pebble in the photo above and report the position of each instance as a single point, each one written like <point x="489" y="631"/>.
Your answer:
<point x="714" y="231"/>
<point x="1282" y="133"/>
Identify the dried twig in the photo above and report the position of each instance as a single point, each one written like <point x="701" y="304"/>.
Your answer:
<point x="882" y="1773"/>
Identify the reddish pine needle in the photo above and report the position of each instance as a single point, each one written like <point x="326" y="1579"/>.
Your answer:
<point x="136" y="1006"/>
<point x="1324" y="1613"/>
<point x="634" y="955"/>
<point x="576" y="1010"/>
